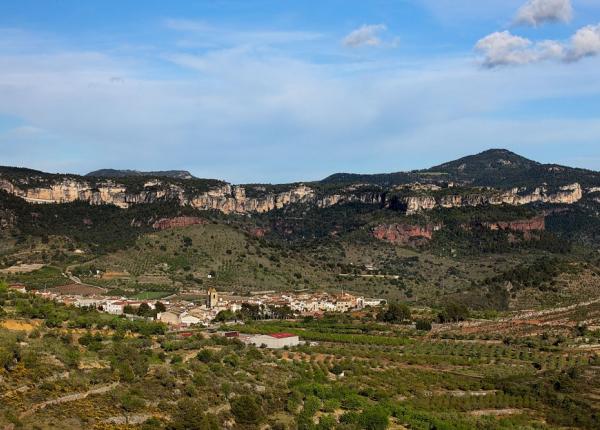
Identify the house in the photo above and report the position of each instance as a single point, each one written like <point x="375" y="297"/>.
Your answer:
<point x="169" y="317"/>
<point x="19" y="288"/>
<point x="114" y="307"/>
<point x="88" y="302"/>
<point x="186" y="319"/>
<point x="273" y="341"/>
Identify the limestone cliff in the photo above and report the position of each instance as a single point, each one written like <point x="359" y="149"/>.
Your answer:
<point x="568" y="194"/>
<point x="229" y="198"/>
<point x="225" y="198"/>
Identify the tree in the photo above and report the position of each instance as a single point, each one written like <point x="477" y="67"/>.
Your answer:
<point x="145" y="310"/>
<point x="205" y="355"/>
<point x="160" y="307"/>
<point x="247" y="410"/>
<point x="395" y="313"/>
<point x="374" y="418"/>
<point x="453" y="312"/>
<point x="190" y="416"/>
<point x="225" y="315"/>
<point x="129" y="310"/>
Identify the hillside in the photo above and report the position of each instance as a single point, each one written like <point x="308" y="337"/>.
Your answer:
<point x="65" y="367"/>
<point x="497" y="168"/>
<point x="427" y="241"/>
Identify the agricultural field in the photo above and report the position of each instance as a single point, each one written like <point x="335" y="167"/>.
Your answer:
<point x="67" y="368"/>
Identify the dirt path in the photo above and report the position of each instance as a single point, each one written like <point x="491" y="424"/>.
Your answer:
<point x="69" y="398"/>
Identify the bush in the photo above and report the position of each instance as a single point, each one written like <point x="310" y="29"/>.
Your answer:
<point x="423" y="325"/>
<point x="395" y="313"/>
<point x="247" y="410"/>
<point x="453" y="312"/>
<point x="374" y="418"/>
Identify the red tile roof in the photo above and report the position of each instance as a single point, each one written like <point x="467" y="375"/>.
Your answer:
<point x="282" y="335"/>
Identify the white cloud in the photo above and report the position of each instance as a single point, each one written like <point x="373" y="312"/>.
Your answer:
<point x="248" y="115"/>
<point x="367" y="35"/>
<point x="504" y="48"/>
<point x="585" y="43"/>
<point x="536" y="12"/>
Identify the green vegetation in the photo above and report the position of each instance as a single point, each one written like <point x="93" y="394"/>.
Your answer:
<point x="106" y="372"/>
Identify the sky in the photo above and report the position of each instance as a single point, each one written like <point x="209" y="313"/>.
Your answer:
<point x="289" y="90"/>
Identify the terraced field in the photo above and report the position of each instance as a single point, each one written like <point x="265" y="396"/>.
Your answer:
<point x="73" y="368"/>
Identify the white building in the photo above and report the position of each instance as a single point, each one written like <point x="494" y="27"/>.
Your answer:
<point x="114" y="307"/>
<point x="188" y="320"/>
<point x="272" y="341"/>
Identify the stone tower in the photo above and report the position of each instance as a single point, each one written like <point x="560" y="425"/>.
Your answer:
<point x="212" y="298"/>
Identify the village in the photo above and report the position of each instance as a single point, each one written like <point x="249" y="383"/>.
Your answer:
<point x="217" y="308"/>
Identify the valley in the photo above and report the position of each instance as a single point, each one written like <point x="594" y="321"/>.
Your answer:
<point x="486" y="272"/>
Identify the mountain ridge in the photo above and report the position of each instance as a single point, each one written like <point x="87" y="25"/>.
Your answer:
<point x="493" y="177"/>
<point x="118" y="173"/>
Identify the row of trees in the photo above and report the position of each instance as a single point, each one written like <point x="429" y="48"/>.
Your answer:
<point x="400" y="313"/>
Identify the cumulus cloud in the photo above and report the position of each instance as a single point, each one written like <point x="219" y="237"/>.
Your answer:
<point x="584" y="43"/>
<point x="536" y="12"/>
<point x="367" y="35"/>
<point x="504" y="48"/>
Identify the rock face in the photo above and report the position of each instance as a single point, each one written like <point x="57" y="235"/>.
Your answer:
<point x="225" y="198"/>
<point x="524" y="226"/>
<point x="568" y="194"/>
<point x="181" y="221"/>
<point x="404" y="234"/>
<point x="229" y="198"/>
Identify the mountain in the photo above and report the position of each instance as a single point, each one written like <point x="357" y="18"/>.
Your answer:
<point x="494" y="177"/>
<point x="498" y="168"/>
<point x="113" y="173"/>
<point x="462" y="230"/>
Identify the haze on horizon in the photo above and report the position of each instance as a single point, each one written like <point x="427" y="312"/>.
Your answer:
<point x="283" y="91"/>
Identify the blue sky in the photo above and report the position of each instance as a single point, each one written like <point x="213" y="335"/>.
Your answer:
<point x="289" y="90"/>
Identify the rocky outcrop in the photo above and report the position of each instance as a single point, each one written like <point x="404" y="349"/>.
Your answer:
<point x="229" y="198"/>
<point x="369" y="198"/>
<point x="177" y="222"/>
<point x="225" y="198"/>
<point x="404" y="234"/>
<point x="524" y="226"/>
<point x="568" y="194"/>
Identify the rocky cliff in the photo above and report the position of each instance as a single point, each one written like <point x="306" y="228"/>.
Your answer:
<point x="524" y="226"/>
<point x="229" y="198"/>
<point x="225" y="198"/>
<point x="404" y="234"/>
<point x="568" y="194"/>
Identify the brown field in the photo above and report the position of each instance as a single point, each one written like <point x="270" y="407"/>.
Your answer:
<point x="17" y="325"/>
<point x="22" y="268"/>
<point x="78" y="289"/>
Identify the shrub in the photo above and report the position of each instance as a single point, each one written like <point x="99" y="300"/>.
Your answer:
<point x="423" y="325"/>
<point x="247" y="410"/>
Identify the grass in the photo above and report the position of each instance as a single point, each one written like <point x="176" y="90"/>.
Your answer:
<point x="151" y="295"/>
